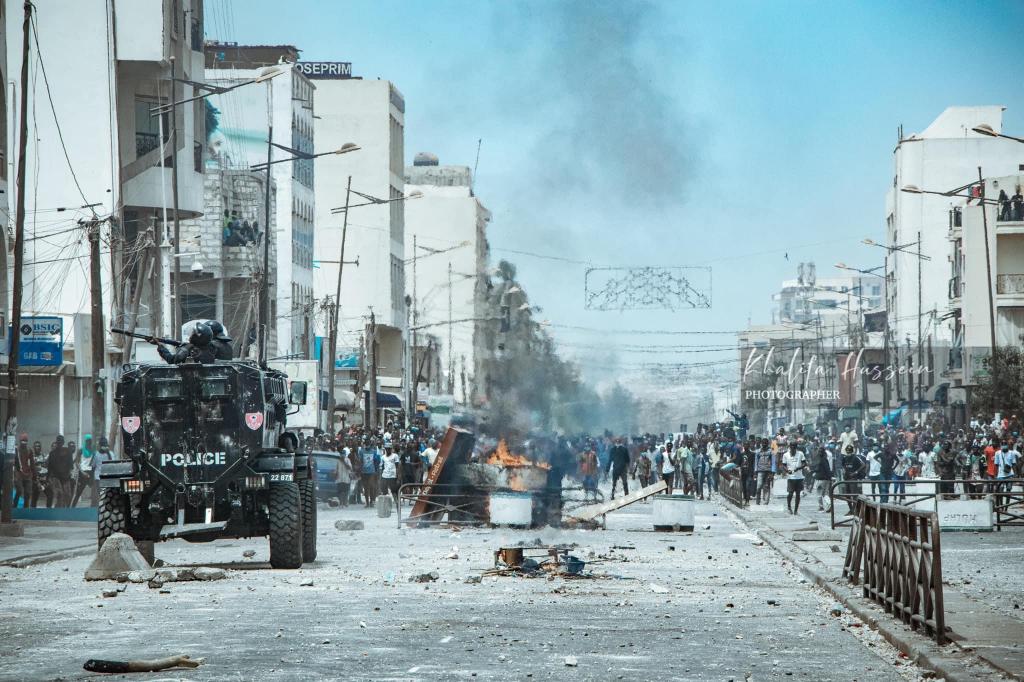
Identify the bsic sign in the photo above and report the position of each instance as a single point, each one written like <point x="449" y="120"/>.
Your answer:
<point x="179" y="459"/>
<point x="325" y="70"/>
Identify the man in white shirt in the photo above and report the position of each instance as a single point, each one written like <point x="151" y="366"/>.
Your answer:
<point x="874" y="467"/>
<point x="389" y="472"/>
<point x="429" y="455"/>
<point x="794" y="461"/>
<point x="847" y="437"/>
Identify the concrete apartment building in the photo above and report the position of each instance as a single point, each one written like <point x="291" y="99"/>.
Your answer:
<point x="370" y="114"/>
<point x="446" y="234"/>
<point x="99" y="154"/>
<point x="236" y="140"/>
<point x="970" y="316"/>
<point x="944" y="156"/>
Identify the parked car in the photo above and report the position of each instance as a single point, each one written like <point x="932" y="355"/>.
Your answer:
<point x="325" y="463"/>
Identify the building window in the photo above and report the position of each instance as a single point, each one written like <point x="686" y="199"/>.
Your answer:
<point x="397" y="216"/>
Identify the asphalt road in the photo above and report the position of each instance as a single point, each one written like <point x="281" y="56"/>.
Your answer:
<point x="712" y="605"/>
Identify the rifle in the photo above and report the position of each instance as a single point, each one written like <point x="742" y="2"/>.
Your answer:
<point x="144" y="337"/>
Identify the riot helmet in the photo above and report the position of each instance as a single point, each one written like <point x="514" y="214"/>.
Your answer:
<point x="218" y="330"/>
<point x="201" y="335"/>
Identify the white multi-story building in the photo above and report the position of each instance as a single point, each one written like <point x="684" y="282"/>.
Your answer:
<point x="446" y="250"/>
<point x="970" y="305"/>
<point x="943" y="157"/>
<point x="831" y="302"/>
<point x="238" y="124"/>
<point x="99" y="153"/>
<point x="370" y="114"/>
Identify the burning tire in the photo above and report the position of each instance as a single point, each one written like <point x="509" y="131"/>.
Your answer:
<point x="286" y="539"/>
<point x="307" y="491"/>
<point x="111" y="514"/>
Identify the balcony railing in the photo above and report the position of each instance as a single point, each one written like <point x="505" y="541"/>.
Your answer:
<point x="1010" y="210"/>
<point x="1010" y="284"/>
<point x="145" y="143"/>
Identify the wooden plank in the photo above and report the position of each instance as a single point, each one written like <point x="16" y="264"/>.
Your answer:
<point x="593" y="511"/>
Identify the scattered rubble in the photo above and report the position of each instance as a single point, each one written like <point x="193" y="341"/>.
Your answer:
<point x="349" y="524"/>
<point x="425" y="577"/>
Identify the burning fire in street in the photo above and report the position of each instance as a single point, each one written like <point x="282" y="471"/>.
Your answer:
<point x="503" y="457"/>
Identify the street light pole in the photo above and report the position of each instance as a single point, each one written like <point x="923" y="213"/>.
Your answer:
<point x="335" y="319"/>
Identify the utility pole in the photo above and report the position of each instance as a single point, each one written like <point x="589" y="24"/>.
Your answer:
<point x="264" y="328"/>
<point x="988" y="270"/>
<point x="920" y="340"/>
<point x="451" y="354"/>
<point x="885" y="344"/>
<point x="176" y="292"/>
<point x="415" y="366"/>
<point x="371" y="339"/>
<point x="19" y="263"/>
<point x="335" y="317"/>
<point x="97" y="335"/>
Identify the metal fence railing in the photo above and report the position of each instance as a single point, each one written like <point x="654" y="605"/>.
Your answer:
<point x="1007" y="496"/>
<point x="895" y="555"/>
<point x="731" y="488"/>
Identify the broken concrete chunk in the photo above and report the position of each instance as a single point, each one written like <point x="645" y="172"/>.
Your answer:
<point x="333" y="502"/>
<point x="473" y="580"/>
<point x="141" y="576"/>
<point x="349" y="524"/>
<point x="118" y="555"/>
<point x="207" y="573"/>
<point x="425" y="577"/>
<point x="571" y="661"/>
<point x="817" y="536"/>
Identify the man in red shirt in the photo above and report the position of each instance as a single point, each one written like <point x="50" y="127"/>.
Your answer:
<point x="990" y="461"/>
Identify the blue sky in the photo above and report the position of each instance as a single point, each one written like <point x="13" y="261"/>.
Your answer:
<point x="686" y="133"/>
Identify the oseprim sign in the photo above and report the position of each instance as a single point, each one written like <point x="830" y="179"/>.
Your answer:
<point x="325" y="70"/>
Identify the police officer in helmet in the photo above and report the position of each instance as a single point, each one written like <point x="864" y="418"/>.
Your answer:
<point x="198" y="348"/>
<point x="221" y="342"/>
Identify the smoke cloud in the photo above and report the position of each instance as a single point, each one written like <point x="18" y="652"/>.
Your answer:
<point x="609" y="127"/>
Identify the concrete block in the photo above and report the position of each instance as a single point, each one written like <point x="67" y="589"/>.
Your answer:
<point x="117" y="555"/>
<point x="818" y="536"/>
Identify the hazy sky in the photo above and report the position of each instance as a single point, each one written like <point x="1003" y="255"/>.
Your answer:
<point x="688" y="133"/>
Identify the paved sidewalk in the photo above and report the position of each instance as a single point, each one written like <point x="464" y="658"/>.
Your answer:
<point x="47" y="541"/>
<point x="987" y="630"/>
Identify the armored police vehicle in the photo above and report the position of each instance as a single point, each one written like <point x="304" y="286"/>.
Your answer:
<point x="206" y="455"/>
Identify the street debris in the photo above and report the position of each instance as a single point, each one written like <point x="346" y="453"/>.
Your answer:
<point x="117" y="555"/>
<point x="141" y="666"/>
<point x="248" y="554"/>
<point x="349" y="524"/>
<point x="571" y="661"/>
<point x="425" y="577"/>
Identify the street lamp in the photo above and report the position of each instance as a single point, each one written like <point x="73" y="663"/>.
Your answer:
<point x="413" y="367"/>
<point x="986" y="129"/>
<point x="371" y="200"/>
<point x="298" y="155"/>
<point x="206" y="90"/>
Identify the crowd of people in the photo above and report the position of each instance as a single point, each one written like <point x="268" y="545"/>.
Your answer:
<point x="971" y="461"/>
<point x="59" y="476"/>
<point x="378" y="461"/>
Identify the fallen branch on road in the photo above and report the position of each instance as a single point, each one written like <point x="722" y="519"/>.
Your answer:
<point x="150" y="666"/>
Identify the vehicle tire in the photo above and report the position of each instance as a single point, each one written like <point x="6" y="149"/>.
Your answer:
<point x="111" y="514"/>
<point x="307" y="490"/>
<point x="285" y="525"/>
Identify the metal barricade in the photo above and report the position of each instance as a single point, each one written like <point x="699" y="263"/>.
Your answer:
<point x="1007" y="495"/>
<point x="731" y="488"/>
<point x="894" y="553"/>
<point x="443" y="503"/>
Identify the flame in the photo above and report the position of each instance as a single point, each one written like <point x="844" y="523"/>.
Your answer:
<point x="504" y="458"/>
